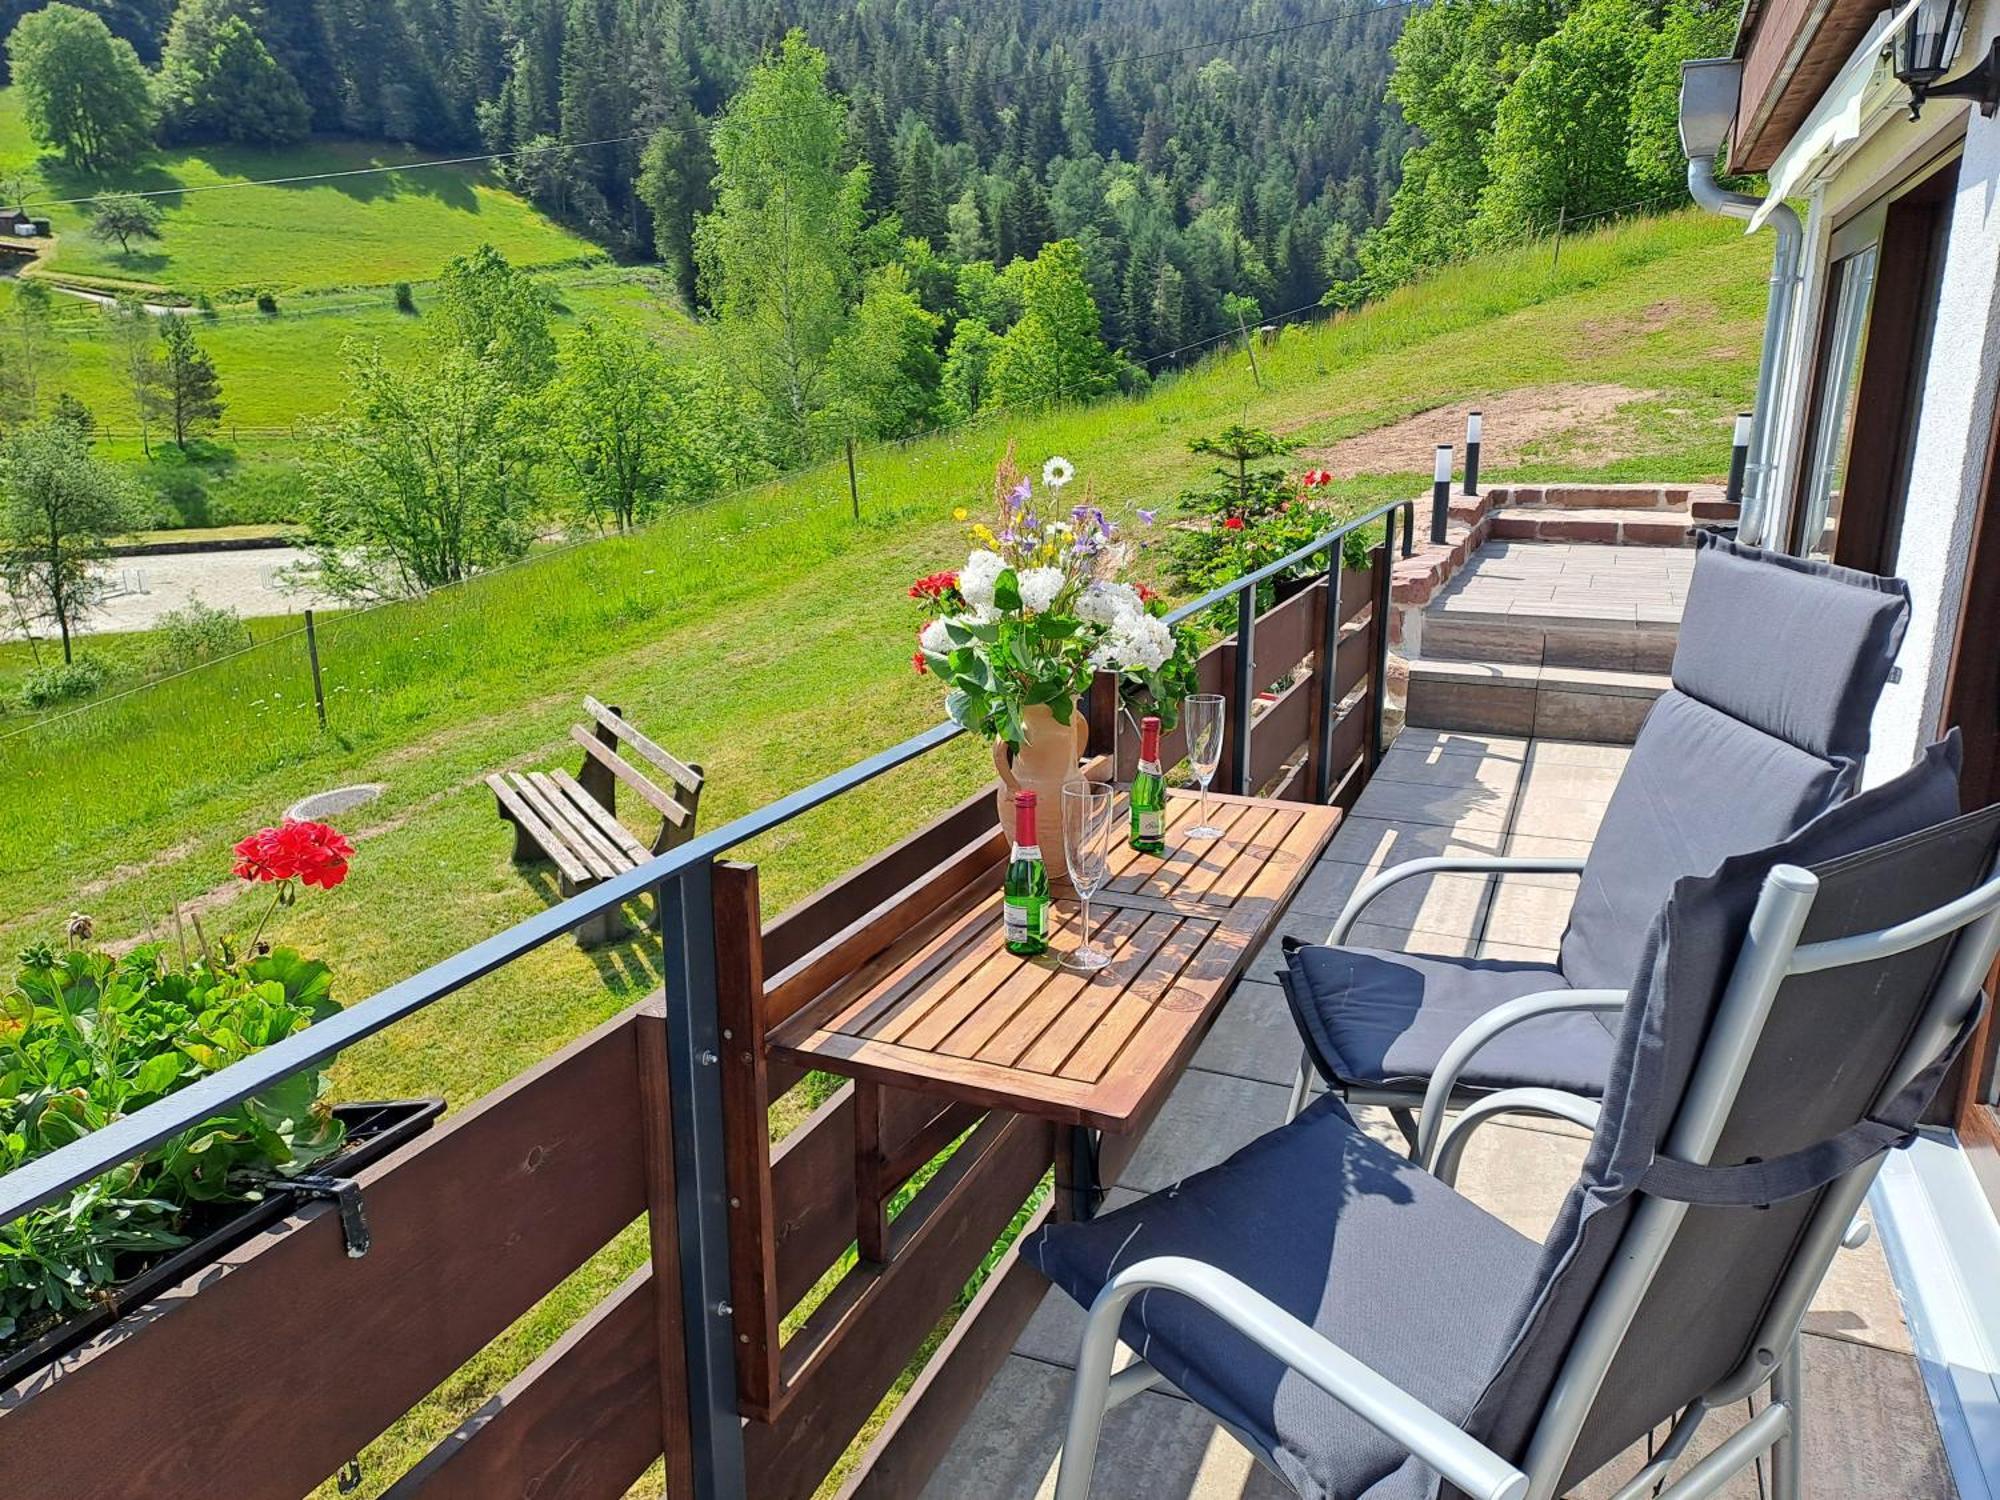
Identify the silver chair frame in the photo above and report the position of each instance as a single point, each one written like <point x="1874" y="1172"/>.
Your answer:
<point x="1403" y="1103"/>
<point x="1771" y="953"/>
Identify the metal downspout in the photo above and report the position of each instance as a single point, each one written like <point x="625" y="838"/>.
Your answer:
<point x="1759" y="499"/>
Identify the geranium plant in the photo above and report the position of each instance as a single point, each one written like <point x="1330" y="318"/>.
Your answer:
<point x="1249" y="514"/>
<point x="87" y="1038"/>
<point x="1038" y="608"/>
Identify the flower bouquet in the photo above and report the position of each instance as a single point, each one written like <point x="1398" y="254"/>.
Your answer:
<point x="1039" y="608"/>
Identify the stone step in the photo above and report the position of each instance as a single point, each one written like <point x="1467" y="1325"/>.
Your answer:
<point x="1640" y="497"/>
<point x="1536" y="701"/>
<point x="1608" y="642"/>
<point x="1603" y="526"/>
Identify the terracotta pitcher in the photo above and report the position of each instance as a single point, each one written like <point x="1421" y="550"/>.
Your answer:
<point x="1047" y="762"/>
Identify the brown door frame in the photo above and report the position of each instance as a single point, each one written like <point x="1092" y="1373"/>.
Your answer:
<point x="1972" y="704"/>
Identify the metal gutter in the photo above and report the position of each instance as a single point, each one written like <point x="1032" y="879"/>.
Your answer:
<point x="1710" y="89"/>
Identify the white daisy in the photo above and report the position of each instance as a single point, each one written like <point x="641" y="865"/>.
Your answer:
<point x="1058" y="472"/>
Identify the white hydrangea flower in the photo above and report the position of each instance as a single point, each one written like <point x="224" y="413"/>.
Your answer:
<point x="1106" y="604"/>
<point x="1039" y="587"/>
<point x="1137" y="643"/>
<point x="935" y="640"/>
<point x="976" y="579"/>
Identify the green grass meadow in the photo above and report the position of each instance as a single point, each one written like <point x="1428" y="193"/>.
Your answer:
<point x="768" y="637"/>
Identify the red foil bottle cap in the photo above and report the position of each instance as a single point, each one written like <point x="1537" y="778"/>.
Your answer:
<point x="1149" y="737"/>
<point x="1024" y="818"/>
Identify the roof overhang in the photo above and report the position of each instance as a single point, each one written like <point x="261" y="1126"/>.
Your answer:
<point x="1792" y="50"/>
<point x="1861" y="93"/>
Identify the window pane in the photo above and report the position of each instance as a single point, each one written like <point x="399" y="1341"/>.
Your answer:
<point x="1833" y="420"/>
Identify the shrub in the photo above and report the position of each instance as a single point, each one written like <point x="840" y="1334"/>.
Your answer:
<point x="195" y="633"/>
<point x="267" y="302"/>
<point x="205" y="304"/>
<point x="47" y="686"/>
<point x="406" y="299"/>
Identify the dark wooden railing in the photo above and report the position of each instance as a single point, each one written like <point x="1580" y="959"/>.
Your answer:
<point x="263" y="1375"/>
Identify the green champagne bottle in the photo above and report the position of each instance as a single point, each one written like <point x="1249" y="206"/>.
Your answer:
<point x="1026" y="905"/>
<point x="1149" y="793"/>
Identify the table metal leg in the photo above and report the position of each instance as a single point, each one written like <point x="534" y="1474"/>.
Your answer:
<point x="1079" y="1188"/>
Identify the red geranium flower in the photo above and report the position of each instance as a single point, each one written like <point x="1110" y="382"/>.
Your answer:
<point x="1232" y="523"/>
<point x="922" y="666"/>
<point x="1147" y="595"/>
<point x="310" y="853"/>
<point x="1314" y="478"/>
<point x="933" y="588"/>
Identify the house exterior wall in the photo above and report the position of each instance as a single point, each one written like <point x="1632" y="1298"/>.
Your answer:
<point x="1961" y="386"/>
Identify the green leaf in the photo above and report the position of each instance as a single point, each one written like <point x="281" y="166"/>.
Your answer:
<point x="157" y="1074"/>
<point x="1007" y="591"/>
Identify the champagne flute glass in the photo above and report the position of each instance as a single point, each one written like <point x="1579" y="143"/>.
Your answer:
<point x="1202" y="713"/>
<point x="1086" y="826"/>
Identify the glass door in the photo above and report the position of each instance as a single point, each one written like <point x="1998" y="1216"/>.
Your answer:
<point x="1837" y="386"/>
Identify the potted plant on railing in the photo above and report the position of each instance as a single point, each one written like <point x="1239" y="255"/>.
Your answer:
<point x="1019" y="631"/>
<point x="87" y="1038"/>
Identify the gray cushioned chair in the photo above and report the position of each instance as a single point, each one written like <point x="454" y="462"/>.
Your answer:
<point x="1775" y="677"/>
<point x="1371" y="1335"/>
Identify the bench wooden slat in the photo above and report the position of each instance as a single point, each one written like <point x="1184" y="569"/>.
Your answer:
<point x="665" y="805"/>
<point x="579" y="824"/>
<point x="558" y="826"/>
<point x="556" y="848"/>
<point x="686" y="775"/>
<point x="605" y="820"/>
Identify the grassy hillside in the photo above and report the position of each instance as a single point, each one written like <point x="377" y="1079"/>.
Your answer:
<point x="359" y="231"/>
<point x="767" y="636"/>
<point x="331" y="252"/>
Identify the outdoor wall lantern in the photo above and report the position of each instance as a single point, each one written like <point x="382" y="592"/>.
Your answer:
<point x="1926" y="49"/>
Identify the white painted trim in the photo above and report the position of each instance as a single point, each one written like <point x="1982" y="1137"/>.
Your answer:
<point x="1943" y="1243"/>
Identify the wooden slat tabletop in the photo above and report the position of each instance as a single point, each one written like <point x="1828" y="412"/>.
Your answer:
<point x="947" y="1010"/>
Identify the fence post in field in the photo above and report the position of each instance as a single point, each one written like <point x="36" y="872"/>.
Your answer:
<point x="1562" y="217"/>
<point x="312" y="656"/>
<point x="853" y="485"/>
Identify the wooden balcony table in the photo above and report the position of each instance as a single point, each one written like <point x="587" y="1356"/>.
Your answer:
<point x="947" y="1011"/>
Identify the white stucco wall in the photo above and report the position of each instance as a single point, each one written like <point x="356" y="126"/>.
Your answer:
<point x="1962" y="381"/>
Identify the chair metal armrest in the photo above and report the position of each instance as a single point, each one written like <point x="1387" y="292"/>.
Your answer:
<point x="1549" y="1103"/>
<point x="1384" y="1405"/>
<point x="1479" y="864"/>
<point x="1504" y="1017"/>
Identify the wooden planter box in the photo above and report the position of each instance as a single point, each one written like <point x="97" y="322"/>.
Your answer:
<point x="374" y="1130"/>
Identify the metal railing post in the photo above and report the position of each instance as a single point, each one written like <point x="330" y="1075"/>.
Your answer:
<point x="1378" y="688"/>
<point x="686" y="916"/>
<point x="1328" y="664"/>
<point x="1246" y="676"/>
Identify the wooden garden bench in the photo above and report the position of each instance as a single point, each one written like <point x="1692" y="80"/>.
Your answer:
<point x="572" y="821"/>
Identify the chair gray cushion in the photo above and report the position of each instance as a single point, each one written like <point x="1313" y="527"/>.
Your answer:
<point x="1380" y="1257"/>
<point x="1383" y="1020"/>
<point x="1698" y="787"/>
<point x="1798" y="649"/>
<point x="1690" y="953"/>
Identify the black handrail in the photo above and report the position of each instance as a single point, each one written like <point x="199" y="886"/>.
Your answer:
<point x="37" y="1183"/>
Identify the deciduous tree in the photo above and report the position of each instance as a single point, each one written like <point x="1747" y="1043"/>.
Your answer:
<point x="124" y="217"/>
<point x="424" y="479"/>
<point x="777" y="256"/>
<point x="132" y="340"/>
<point x="33" y="352"/>
<point x="83" y="90"/>
<point x="61" y="507"/>
<point x="1055" y="352"/>
<point x="219" y="81"/>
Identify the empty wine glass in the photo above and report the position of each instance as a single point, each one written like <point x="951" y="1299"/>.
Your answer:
<point x="1086" y="826"/>
<point x="1202" y="714"/>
